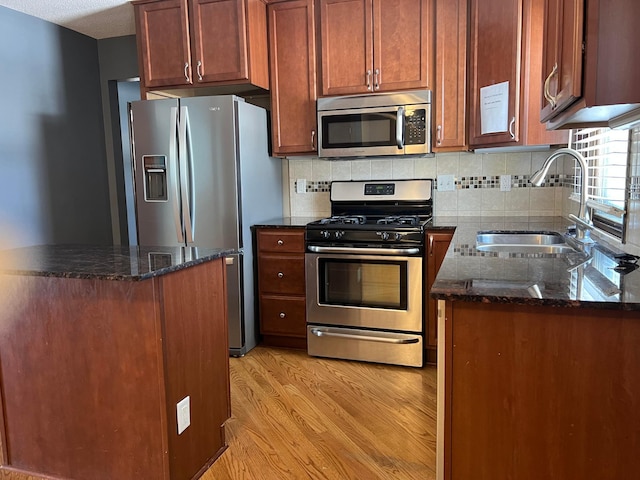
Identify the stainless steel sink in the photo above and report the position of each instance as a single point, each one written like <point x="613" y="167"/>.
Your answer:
<point x="522" y="242"/>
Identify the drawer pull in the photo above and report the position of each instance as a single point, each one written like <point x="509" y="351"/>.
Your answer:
<point x="282" y="315"/>
<point x="280" y="274"/>
<point x="280" y="242"/>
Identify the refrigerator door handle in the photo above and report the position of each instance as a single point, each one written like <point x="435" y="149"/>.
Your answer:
<point x="173" y="161"/>
<point x="185" y="172"/>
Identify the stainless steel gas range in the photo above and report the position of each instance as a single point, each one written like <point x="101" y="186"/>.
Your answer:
<point x="365" y="270"/>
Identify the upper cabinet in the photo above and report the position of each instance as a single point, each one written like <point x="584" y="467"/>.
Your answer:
<point x="292" y="58"/>
<point x="375" y="45"/>
<point x="590" y="68"/>
<point x="449" y="90"/>
<point x="505" y="64"/>
<point x="185" y="43"/>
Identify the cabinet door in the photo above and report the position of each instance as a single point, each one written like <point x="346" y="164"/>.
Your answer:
<point x="451" y="76"/>
<point x="496" y="42"/>
<point x="402" y="44"/>
<point x="347" y="46"/>
<point x="219" y="39"/>
<point x="163" y="43"/>
<point x="562" y="55"/>
<point x="292" y="57"/>
<point x="437" y="246"/>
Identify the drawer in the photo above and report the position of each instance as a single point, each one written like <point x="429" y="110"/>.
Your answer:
<point x="282" y="316"/>
<point x="281" y="240"/>
<point x="282" y="274"/>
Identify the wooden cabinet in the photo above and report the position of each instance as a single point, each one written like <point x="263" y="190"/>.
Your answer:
<point x="590" y="70"/>
<point x="375" y="45"/>
<point x="520" y="383"/>
<point x="201" y="43"/>
<point x="281" y="287"/>
<point x="450" y="99"/>
<point x="292" y="58"/>
<point x="93" y="369"/>
<point x="437" y="245"/>
<point x="506" y="46"/>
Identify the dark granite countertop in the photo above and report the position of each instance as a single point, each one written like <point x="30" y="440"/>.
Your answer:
<point x="286" y="222"/>
<point x="585" y="279"/>
<point x="103" y="262"/>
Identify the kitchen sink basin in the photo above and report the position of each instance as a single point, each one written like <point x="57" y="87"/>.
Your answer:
<point x="522" y="242"/>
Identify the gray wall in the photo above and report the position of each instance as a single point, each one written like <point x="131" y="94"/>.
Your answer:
<point x="53" y="176"/>
<point x="118" y="60"/>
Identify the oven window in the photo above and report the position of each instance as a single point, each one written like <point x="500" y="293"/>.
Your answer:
<point x="359" y="130"/>
<point x="363" y="283"/>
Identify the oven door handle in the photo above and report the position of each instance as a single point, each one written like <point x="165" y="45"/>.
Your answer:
<point x="321" y="333"/>
<point x="365" y="250"/>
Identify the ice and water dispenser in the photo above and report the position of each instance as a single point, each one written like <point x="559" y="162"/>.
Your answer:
<point x="155" y="178"/>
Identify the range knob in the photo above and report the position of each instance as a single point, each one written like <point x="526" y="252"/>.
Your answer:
<point x="325" y="234"/>
<point x="398" y="236"/>
<point x="339" y="234"/>
<point x="383" y="235"/>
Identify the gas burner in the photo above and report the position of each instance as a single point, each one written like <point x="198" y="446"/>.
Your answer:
<point x="399" y="220"/>
<point x="344" y="220"/>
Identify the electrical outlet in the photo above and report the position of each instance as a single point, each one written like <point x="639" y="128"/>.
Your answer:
<point x="301" y="185"/>
<point x="446" y="183"/>
<point x="183" y="412"/>
<point x="505" y="183"/>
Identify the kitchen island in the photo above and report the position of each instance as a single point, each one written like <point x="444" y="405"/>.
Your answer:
<point x="98" y="345"/>
<point x="537" y="362"/>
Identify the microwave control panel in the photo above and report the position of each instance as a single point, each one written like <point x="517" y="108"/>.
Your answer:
<point x="415" y="127"/>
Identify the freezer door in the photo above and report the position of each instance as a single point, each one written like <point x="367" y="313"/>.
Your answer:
<point x="154" y="147"/>
<point x="209" y="154"/>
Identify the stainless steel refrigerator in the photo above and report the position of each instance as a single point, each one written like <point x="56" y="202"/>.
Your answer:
<point x="202" y="177"/>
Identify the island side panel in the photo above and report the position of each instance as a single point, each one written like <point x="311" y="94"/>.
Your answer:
<point x="542" y="392"/>
<point x="81" y="373"/>
<point x="195" y="335"/>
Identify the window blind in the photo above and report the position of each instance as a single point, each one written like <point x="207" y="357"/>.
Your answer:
<point x="607" y="154"/>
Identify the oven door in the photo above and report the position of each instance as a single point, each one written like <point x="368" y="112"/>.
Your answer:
<point x="369" y="291"/>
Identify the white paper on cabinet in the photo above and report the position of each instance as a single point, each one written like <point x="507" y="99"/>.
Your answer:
<point x="494" y="108"/>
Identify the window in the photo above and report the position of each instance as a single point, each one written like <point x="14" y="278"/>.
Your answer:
<point x="607" y="154"/>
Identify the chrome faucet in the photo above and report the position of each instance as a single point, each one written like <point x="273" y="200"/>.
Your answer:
<point x="583" y="219"/>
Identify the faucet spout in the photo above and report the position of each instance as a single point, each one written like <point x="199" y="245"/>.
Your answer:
<point x="537" y="179"/>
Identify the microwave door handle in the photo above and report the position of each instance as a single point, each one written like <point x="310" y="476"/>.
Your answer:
<point x="400" y="128"/>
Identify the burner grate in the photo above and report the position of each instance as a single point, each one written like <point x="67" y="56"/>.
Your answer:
<point x="399" y="220"/>
<point x="344" y="220"/>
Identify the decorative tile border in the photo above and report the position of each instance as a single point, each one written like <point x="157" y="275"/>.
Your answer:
<point x="517" y="181"/>
<point x="315" y="186"/>
<point x="634" y="188"/>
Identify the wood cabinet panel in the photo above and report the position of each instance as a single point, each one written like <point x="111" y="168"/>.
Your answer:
<point x="164" y="50"/>
<point x="282" y="286"/>
<point x="292" y="58"/>
<point x="219" y="47"/>
<point x="506" y="46"/>
<point x="402" y="44"/>
<point x="390" y="45"/>
<point x="450" y="86"/>
<point x="347" y="46"/>
<point x="531" y="383"/>
<point x="282" y="315"/>
<point x="106" y="362"/>
<point x="437" y="246"/>
<point x="280" y="240"/>
<point x="282" y="274"/>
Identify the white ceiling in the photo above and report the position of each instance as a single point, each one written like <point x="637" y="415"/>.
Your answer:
<point x="95" y="18"/>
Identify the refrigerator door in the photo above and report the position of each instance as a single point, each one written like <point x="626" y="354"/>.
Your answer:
<point x="155" y="157"/>
<point x="208" y="151"/>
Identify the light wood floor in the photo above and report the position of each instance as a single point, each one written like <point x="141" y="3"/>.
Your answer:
<point x="298" y="417"/>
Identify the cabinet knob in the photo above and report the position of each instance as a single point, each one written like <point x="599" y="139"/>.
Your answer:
<point x="280" y="242"/>
<point x="280" y="274"/>
<point x="282" y="315"/>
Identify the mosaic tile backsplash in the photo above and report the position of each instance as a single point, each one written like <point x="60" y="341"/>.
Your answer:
<point x="476" y="189"/>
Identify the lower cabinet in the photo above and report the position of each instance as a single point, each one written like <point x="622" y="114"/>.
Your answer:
<point x="281" y="287"/>
<point x="437" y="246"/>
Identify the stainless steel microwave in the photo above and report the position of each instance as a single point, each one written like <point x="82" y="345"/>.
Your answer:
<point x="378" y="124"/>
